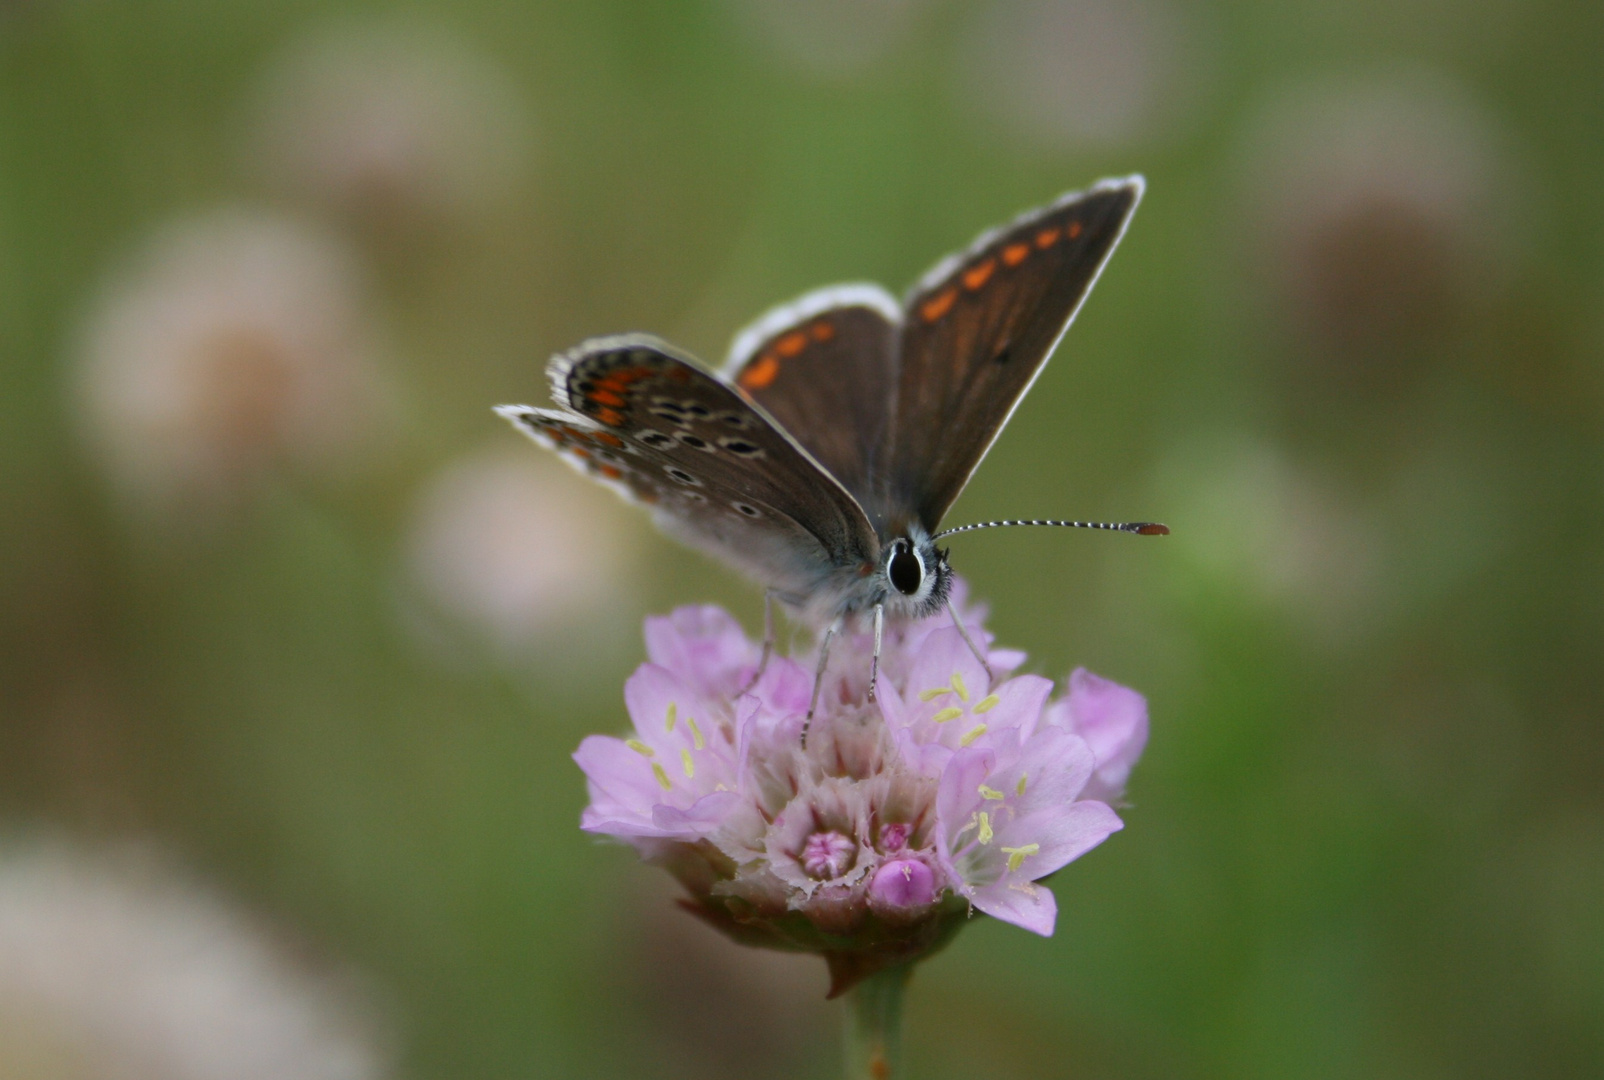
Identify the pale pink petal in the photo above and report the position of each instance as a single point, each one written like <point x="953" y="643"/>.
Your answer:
<point x="1025" y="904"/>
<point x="1062" y="834"/>
<point x="704" y="645"/>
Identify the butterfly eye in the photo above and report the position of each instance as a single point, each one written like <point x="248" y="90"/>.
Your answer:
<point x="905" y="570"/>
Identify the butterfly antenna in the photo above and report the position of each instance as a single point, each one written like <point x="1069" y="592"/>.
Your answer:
<point x="1140" y="528"/>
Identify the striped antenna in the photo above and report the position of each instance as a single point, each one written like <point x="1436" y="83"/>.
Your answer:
<point x="1140" y="528"/>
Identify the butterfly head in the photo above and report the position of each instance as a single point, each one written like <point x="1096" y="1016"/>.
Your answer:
<point x="916" y="574"/>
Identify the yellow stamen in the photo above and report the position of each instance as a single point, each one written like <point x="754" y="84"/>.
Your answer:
<point x="951" y="712"/>
<point x="988" y="703"/>
<point x="1017" y="855"/>
<point x="932" y="694"/>
<point x="991" y="793"/>
<point x="972" y="734"/>
<point x="1020" y="787"/>
<point x="690" y="766"/>
<point x="673" y="715"/>
<point x="639" y="747"/>
<point x="985" y="823"/>
<point x="696" y="732"/>
<point x="958" y="687"/>
<point x="662" y="777"/>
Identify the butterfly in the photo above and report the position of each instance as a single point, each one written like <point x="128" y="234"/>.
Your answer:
<point x="823" y="456"/>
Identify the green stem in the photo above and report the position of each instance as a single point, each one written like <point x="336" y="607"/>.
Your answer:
<point x="874" y="1026"/>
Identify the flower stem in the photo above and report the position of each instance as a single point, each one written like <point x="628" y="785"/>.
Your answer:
<point x="874" y="1025"/>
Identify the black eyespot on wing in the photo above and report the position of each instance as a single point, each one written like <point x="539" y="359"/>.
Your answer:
<point x="676" y="473"/>
<point x="695" y="442"/>
<point x="904" y="570"/>
<point x="747" y="509"/>
<point x="741" y="447"/>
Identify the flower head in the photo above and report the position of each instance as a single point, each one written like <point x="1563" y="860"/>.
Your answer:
<point x="955" y="789"/>
<point x="113" y="965"/>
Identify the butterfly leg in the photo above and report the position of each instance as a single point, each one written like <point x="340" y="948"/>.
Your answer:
<point x="818" y="676"/>
<point x="874" y="664"/>
<point x="969" y="641"/>
<point x="768" y="640"/>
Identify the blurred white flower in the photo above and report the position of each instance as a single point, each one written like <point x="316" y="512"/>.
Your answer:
<point x="389" y="119"/>
<point x="233" y="344"/>
<point x="1382" y="205"/>
<point x="112" y="970"/>
<point x="831" y="39"/>
<point x="1072" y="73"/>
<point x="521" y="552"/>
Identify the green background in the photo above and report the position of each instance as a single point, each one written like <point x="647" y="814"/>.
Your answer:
<point x="1367" y="838"/>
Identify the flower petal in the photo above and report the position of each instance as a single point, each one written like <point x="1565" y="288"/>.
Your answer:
<point x="704" y="645"/>
<point x="1113" y="721"/>
<point x="1024" y="904"/>
<point x="1060" y="834"/>
<point x="1055" y="765"/>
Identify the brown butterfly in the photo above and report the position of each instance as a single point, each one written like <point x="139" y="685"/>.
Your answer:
<point x="823" y="456"/>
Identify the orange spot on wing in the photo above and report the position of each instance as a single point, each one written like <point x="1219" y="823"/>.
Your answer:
<point x="760" y="373"/>
<point x="579" y="452"/>
<point x="937" y="306"/>
<point x="606" y="397"/>
<point x="791" y="344"/>
<point x="1048" y="237"/>
<point x="607" y="438"/>
<point x="823" y="330"/>
<point x="976" y="276"/>
<point x="677" y="374"/>
<point x="1014" y="254"/>
<point x="610" y="417"/>
<point x="610" y="471"/>
<point x="1072" y="230"/>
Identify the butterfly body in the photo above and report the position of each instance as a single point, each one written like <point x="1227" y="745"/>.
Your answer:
<point x="821" y="459"/>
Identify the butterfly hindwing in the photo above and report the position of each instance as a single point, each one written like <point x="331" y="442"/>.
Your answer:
<point x="715" y="470"/>
<point x="977" y="331"/>
<point x="824" y="367"/>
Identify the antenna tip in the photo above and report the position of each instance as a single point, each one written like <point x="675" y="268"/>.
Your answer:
<point x="1151" y="528"/>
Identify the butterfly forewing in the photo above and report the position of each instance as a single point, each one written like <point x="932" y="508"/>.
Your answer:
<point x="975" y="334"/>
<point x="716" y="470"/>
<point x="825" y="368"/>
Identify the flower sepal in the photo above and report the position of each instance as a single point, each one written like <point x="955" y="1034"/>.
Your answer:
<point x="875" y="944"/>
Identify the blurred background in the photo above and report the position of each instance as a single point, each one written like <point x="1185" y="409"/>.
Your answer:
<point x="296" y="637"/>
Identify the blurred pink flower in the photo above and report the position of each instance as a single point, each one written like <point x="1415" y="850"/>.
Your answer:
<point x="521" y="553"/>
<point x="1385" y="205"/>
<point x="235" y="343"/>
<point x="1077" y="73"/>
<point x="832" y="39"/>
<point x="390" y="120"/>
<point x="111" y="966"/>
<point x="869" y="844"/>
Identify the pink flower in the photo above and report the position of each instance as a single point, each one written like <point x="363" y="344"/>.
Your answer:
<point x="954" y="790"/>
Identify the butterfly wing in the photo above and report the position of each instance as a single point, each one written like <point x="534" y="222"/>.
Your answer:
<point x="824" y="366"/>
<point x="977" y="331"/>
<point x="715" y="469"/>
